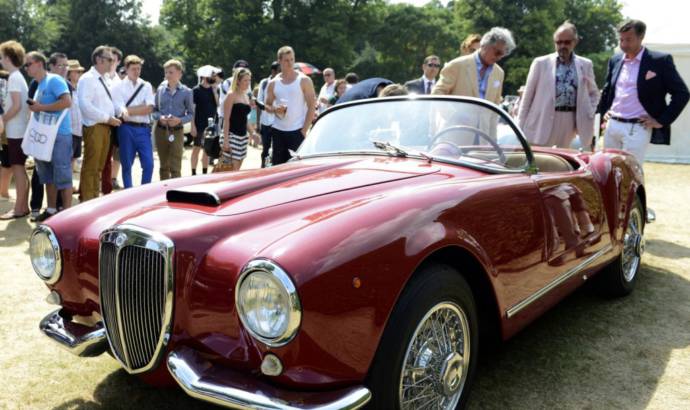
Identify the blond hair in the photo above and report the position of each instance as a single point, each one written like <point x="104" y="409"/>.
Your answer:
<point x="174" y="63"/>
<point x="285" y="50"/>
<point x="133" y="59"/>
<point x="465" y="47"/>
<point x="237" y="76"/>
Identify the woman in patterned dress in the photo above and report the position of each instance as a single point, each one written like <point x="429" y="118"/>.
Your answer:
<point x="236" y="108"/>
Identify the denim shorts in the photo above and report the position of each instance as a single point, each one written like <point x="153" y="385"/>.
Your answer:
<point x="58" y="170"/>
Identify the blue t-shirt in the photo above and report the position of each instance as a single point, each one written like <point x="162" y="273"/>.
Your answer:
<point x="50" y="89"/>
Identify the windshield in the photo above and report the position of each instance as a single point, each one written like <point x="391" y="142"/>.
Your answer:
<point x="445" y="129"/>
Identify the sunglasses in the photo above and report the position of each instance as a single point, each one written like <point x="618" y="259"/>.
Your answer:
<point x="564" y="42"/>
<point x="27" y="65"/>
<point x="434" y="65"/>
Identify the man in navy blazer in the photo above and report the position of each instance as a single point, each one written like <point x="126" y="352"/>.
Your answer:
<point x="633" y="101"/>
<point x="424" y="85"/>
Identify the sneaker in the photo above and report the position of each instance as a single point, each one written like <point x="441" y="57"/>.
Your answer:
<point x="43" y="216"/>
<point x="34" y="215"/>
<point x="116" y="185"/>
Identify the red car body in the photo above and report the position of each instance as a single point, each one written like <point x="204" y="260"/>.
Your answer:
<point x="351" y="231"/>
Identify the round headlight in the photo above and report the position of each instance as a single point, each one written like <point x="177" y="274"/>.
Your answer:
<point x="45" y="254"/>
<point x="267" y="303"/>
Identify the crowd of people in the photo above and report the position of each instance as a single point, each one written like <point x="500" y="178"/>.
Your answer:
<point x="112" y="113"/>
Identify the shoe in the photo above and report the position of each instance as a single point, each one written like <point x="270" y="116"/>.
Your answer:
<point x="34" y="214"/>
<point x="116" y="185"/>
<point x="11" y="215"/>
<point x="43" y="216"/>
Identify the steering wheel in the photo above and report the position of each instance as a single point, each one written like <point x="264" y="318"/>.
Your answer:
<point x="477" y="132"/>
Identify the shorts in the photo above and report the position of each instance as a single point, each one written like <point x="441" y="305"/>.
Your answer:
<point x="76" y="146"/>
<point x="16" y="154"/>
<point x="198" y="141"/>
<point x="58" y="170"/>
<point x="5" y="156"/>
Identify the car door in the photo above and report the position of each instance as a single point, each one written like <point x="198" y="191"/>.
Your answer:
<point x="574" y="217"/>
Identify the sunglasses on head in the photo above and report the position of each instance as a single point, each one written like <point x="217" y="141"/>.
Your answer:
<point x="433" y="65"/>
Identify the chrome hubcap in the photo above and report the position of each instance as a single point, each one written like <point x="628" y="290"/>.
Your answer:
<point x="633" y="245"/>
<point x="437" y="360"/>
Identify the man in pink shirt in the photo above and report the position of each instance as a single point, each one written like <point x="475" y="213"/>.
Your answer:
<point x="633" y="101"/>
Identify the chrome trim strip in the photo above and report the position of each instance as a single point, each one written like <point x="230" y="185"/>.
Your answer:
<point x="295" y="313"/>
<point x="78" y="339"/>
<point x="154" y="241"/>
<point x="556" y="282"/>
<point x="189" y="374"/>
<point x="57" y="272"/>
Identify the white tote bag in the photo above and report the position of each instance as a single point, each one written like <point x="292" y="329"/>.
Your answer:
<point x="39" y="138"/>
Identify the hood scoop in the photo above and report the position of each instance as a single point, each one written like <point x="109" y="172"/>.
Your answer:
<point x="223" y="189"/>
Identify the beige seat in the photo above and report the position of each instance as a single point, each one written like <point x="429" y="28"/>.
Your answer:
<point x="544" y="162"/>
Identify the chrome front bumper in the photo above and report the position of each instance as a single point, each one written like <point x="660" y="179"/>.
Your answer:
<point x="78" y="339"/>
<point x="205" y="381"/>
<point x="225" y="387"/>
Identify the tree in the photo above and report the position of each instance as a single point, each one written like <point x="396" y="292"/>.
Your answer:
<point x="533" y="23"/>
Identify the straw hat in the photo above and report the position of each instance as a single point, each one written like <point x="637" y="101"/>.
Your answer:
<point x="73" y="65"/>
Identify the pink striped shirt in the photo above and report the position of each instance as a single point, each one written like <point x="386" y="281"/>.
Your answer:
<point x="626" y="103"/>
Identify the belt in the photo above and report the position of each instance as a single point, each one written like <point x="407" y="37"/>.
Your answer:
<point x="137" y="124"/>
<point x="565" y="109"/>
<point x="626" y="120"/>
<point x="176" y="128"/>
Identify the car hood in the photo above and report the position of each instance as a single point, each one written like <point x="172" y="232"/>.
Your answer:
<point x="254" y="190"/>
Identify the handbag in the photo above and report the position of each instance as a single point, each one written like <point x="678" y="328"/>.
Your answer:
<point x="224" y="164"/>
<point x="39" y="137"/>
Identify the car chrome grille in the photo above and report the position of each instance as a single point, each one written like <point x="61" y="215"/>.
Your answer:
<point x="135" y="276"/>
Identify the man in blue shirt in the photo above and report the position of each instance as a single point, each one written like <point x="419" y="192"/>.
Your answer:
<point x="51" y="99"/>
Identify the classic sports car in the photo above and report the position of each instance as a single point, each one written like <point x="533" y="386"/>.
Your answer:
<point x="369" y="269"/>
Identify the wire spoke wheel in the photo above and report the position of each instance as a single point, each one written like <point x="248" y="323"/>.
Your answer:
<point x="633" y="245"/>
<point x="437" y="360"/>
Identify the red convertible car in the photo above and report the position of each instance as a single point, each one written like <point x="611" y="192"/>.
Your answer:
<point x="369" y="270"/>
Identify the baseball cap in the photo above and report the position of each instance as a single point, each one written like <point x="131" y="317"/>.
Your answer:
<point x="240" y="64"/>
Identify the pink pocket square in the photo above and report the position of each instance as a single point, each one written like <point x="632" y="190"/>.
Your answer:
<point x="650" y="74"/>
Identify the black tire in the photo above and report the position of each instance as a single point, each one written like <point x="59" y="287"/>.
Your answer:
<point x="618" y="280"/>
<point x="434" y="288"/>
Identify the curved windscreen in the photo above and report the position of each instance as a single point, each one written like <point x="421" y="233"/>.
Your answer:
<point x="445" y="129"/>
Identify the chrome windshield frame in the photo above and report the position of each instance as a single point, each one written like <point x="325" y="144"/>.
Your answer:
<point x="528" y="168"/>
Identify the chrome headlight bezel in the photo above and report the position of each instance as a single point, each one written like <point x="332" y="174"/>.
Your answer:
<point x="52" y="238"/>
<point x="293" y="311"/>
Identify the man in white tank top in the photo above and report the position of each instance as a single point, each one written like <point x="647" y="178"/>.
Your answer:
<point x="291" y="97"/>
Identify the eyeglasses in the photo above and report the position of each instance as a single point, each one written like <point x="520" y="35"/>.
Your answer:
<point x="108" y="59"/>
<point x="328" y="75"/>
<point x="432" y="65"/>
<point x="564" y="42"/>
<point x="62" y="66"/>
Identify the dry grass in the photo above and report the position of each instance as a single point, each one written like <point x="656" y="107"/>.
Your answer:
<point x="587" y="353"/>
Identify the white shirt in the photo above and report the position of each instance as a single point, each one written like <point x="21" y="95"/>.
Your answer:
<point x="428" y="83"/>
<point x="225" y="88"/>
<point x="75" y="115"/>
<point x="16" y="127"/>
<point x="326" y="92"/>
<point x="267" y="118"/>
<point x="293" y="97"/>
<point x="123" y="91"/>
<point x="95" y="104"/>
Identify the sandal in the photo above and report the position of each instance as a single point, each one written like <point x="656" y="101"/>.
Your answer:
<point x="11" y="215"/>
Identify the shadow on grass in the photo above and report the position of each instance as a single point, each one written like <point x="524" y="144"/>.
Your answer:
<point x="589" y="352"/>
<point x="665" y="249"/>
<point x="120" y="390"/>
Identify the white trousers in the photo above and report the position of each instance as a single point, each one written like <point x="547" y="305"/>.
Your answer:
<point x="633" y="138"/>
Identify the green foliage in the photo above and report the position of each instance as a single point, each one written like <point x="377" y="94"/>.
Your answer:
<point x="533" y="23"/>
<point x="370" y="37"/>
